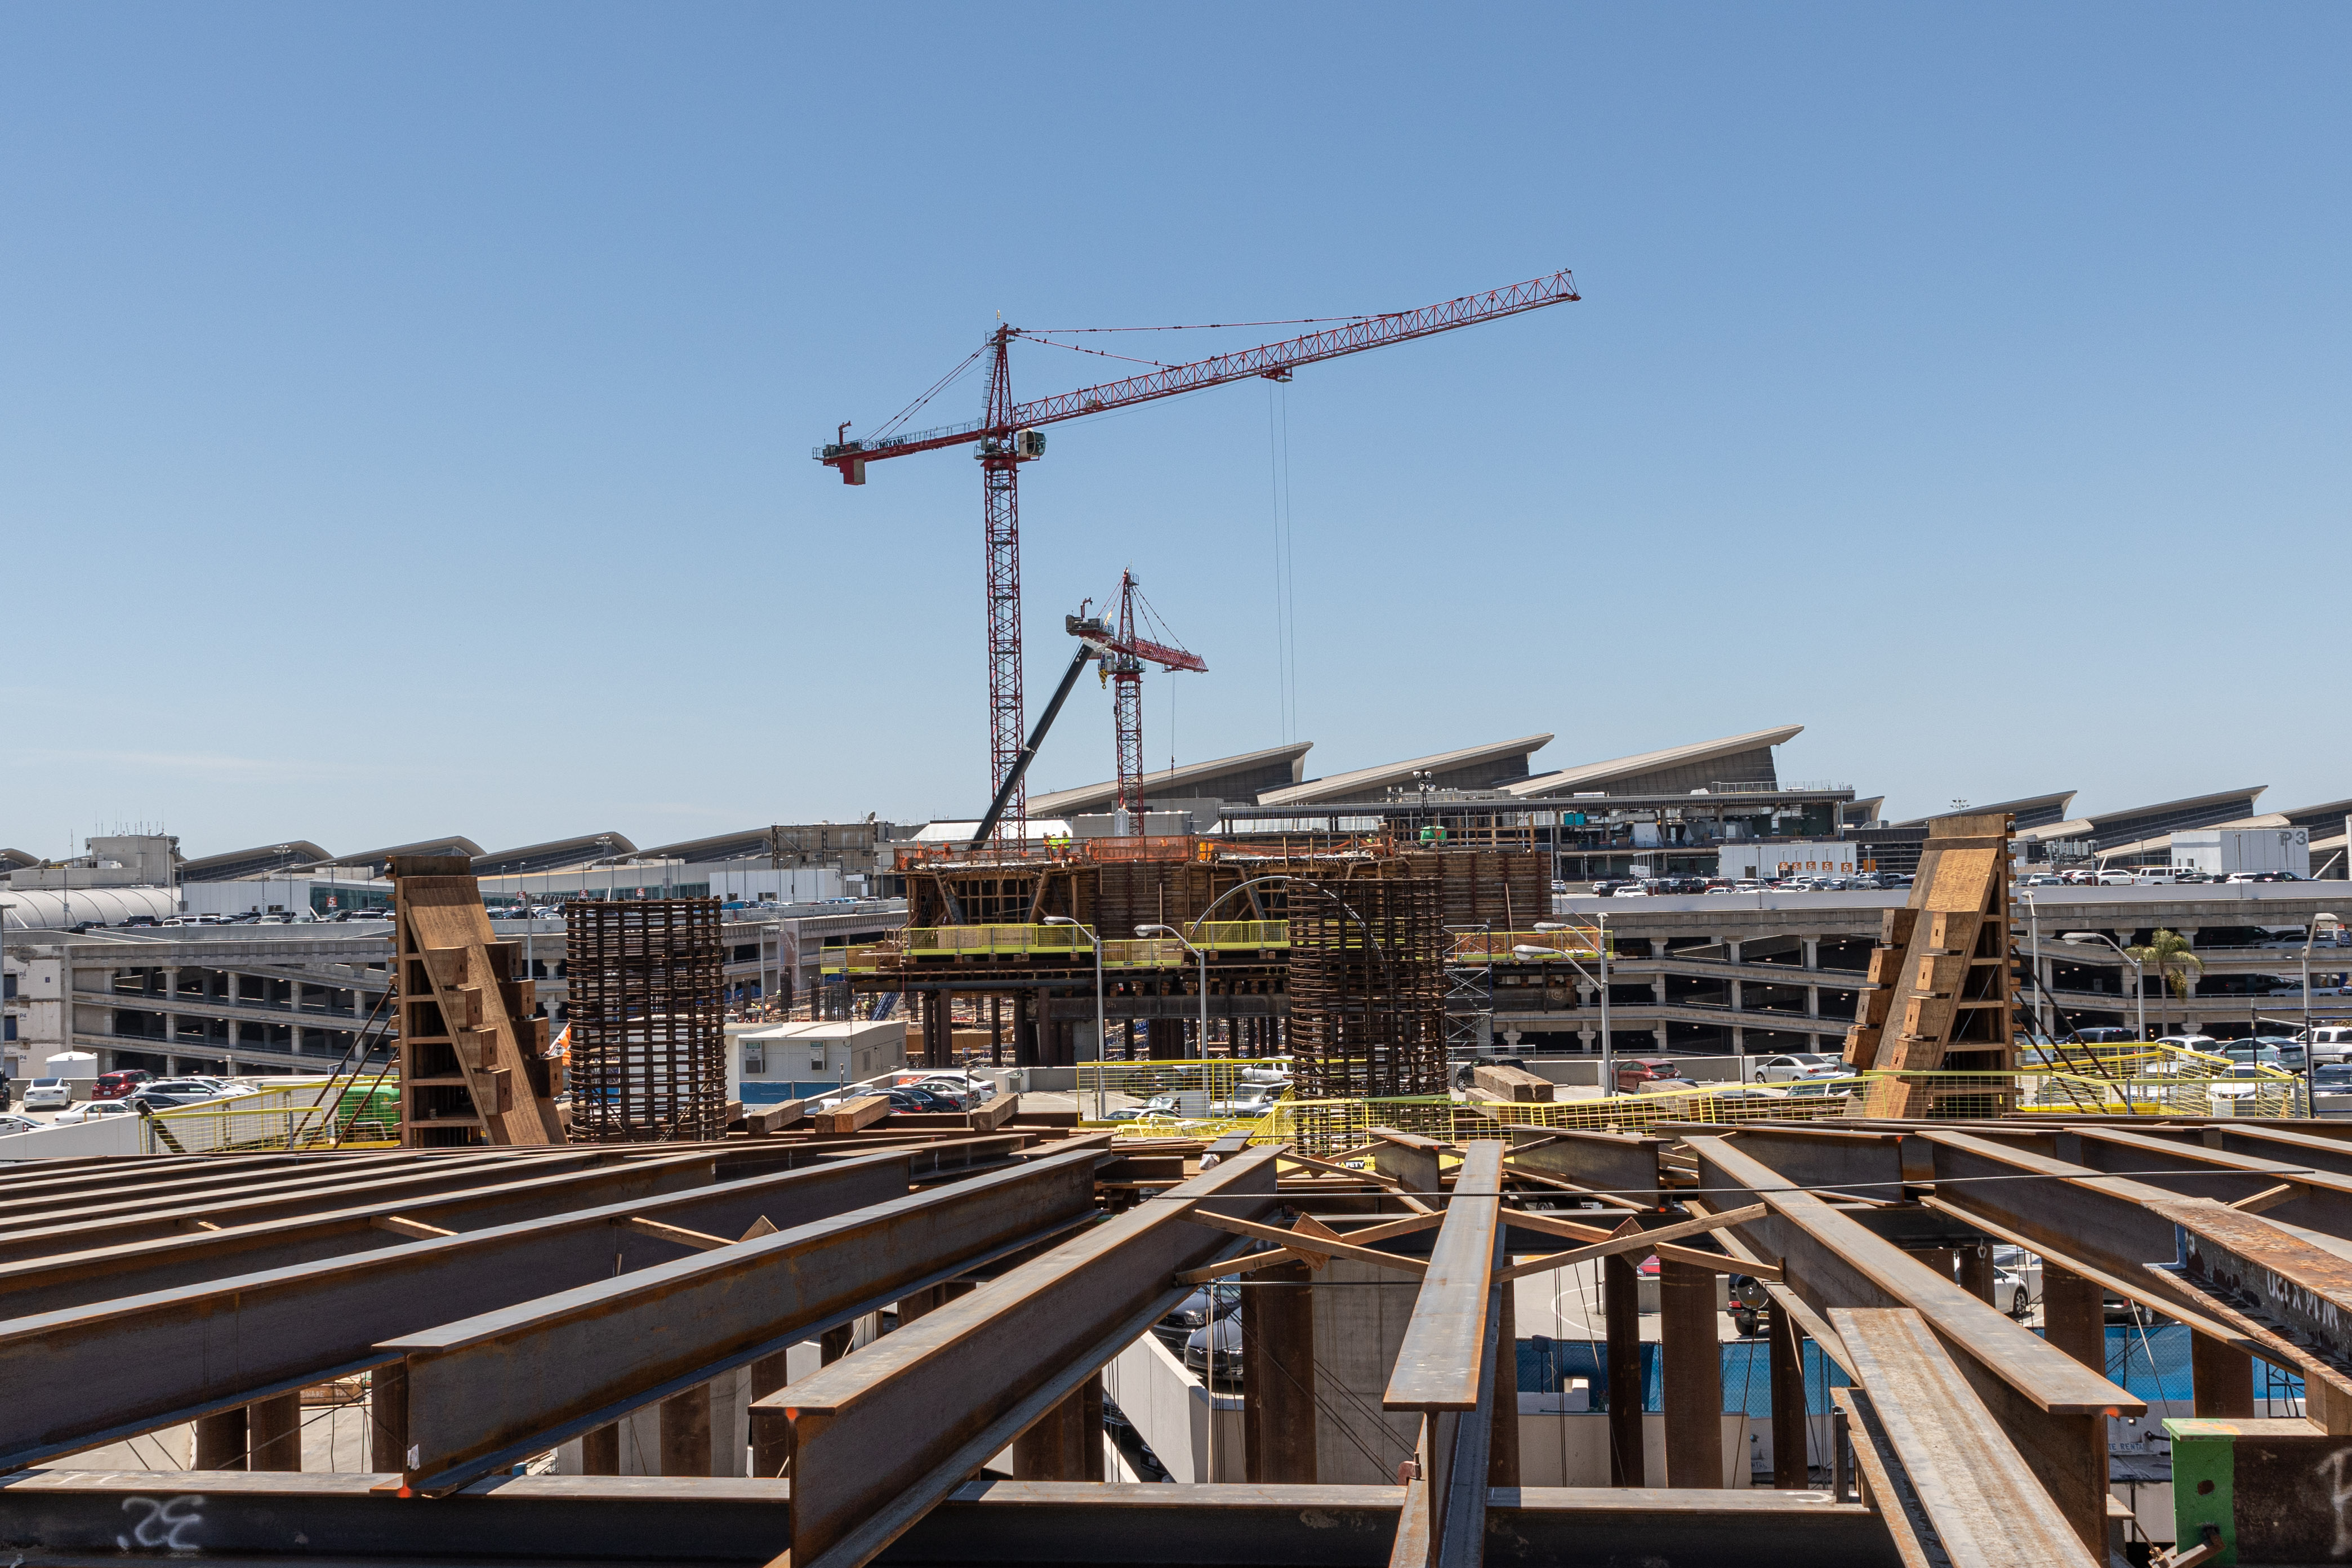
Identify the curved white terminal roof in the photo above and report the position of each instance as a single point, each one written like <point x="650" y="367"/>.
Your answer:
<point x="1167" y="784"/>
<point x="1365" y="784"/>
<point x="1600" y="775"/>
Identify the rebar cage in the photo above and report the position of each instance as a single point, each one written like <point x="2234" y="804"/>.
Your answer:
<point x="648" y="1028"/>
<point x="1367" y="988"/>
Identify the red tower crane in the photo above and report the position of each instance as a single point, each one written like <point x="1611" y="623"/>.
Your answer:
<point x="1006" y="435"/>
<point x="1123" y="654"/>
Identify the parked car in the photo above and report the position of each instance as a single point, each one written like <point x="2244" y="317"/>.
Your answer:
<point x="2204" y="1042"/>
<point x="2104" y="1037"/>
<point x="1249" y="1100"/>
<point x="2252" y="1052"/>
<point x="2042" y="879"/>
<point x="1221" y="1298"/>
<point x="2331" y="1043"/>
<point x="1630" y="891"/>
<point x="164" y="1094"/>
<point x="117" y="1085"/>
<point x="2017" y="1279"/>
<point x="1823" y="1084"/>
<point x="1795" y="1065"/>
<point x="908" y="1097"/>
<point x="18" y="1124"/>
<point x="2334" y="1078"/>
<point x="95" y="1111"/>
<point x="8" y="1094"/>
<point x="48" y="1094"/>
<point x="1222" y="1337"/>
<point x="1643" y="1073"/>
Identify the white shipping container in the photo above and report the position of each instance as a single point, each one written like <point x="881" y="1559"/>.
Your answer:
<point x="1766" y="860"/>
<point x="2219" y="851"/>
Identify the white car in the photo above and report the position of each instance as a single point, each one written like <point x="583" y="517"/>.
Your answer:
<point x="1635" y="891"/>
<point x="48" y="1094"/>
<point x="1796" y="1065"/>
<point x="96" y="1111"/>
<point x="18" y="1124"/>
<point x="2330" y="1044"/>
<point x="2116" y="880"/>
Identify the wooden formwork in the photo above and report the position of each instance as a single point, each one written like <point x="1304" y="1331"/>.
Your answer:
<point x="1940" y="990"/>
<point x="473" y="1060"/>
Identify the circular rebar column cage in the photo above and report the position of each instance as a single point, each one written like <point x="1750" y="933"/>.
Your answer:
<point x="648" y="1027"/>
<point x="1367" y="990"/>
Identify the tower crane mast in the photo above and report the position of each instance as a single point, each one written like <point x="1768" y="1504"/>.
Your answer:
<point x="1009" y="434"/>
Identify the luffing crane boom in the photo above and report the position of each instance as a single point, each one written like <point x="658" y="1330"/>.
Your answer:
<point x="1007" y="434"/>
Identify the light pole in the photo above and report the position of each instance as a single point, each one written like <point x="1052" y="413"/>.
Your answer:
<point x="2322" y="922"/>
<point x="1102" y="1030"/>
<point x="1202" y="954"/>
<point x="2139" y="978"/>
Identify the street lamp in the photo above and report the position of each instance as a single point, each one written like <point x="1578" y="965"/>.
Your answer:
<point x="2041" y="988"/>
<point x="2322" y="922"/>
<point x="1203" y="957"/>
<point x="1102" y="1030"/>
<point x="2139" y="978"/>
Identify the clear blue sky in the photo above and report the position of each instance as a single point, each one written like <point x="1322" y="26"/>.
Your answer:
<point x="404" y="411"/>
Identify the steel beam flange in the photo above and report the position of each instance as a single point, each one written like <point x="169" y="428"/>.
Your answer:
<point x="881" y="1437"/>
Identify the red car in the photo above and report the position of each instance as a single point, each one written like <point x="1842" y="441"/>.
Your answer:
<point x="115" y="1085"/>
<point x="1634" y="1077"/>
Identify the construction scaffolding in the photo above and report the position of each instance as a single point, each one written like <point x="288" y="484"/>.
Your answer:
<point x="1367" y="988"/>
<point x="648" y="1036"/>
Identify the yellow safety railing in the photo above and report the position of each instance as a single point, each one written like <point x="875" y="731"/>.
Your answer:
<point x="926" y="945"/>
<point x="279" y="1117"/>
<point x="1502" y="946"/>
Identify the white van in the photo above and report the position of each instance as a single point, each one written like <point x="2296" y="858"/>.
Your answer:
<point x="2330" y="1043"/>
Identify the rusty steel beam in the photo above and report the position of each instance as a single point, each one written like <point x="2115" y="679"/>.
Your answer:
<point x="128" y="1220"/>
<point x="2052" y="1409"/>
<point x="134" y="1268"/>
<point x="129" y="1518"/>
<point x="486" y="1390"/>
<point x="1624" y="1165"/>
<point x="93" y="1374"/>
<point x="881" y="1437"/>
<point x="1441" y="1365"/>
<point x="1959" y="1476"/>
<point x="2297" y="1295"/>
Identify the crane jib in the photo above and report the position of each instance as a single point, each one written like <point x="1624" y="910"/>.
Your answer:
<point x="1265" y="360"/>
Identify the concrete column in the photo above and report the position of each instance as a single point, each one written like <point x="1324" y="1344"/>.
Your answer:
<point x="1067" y="1443"/>
<point x="1790" y="1471"/>
<point x="2223" y="1376"/>
<point x="1622" y="1312"/>
<point x="274" y="1428"/>
<point x="1278" y="1377"/>
<point x="388" y="1418"/>
<point x="686" y="1433"/>
<point x="1812" y="945"/>
<point x="221" y="1440"/>
<point x="1813" y="1000"/>
<point x="1692" y="1374"/>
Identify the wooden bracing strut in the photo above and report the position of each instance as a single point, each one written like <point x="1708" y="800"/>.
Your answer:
<point x="473" y="1061"/>
<point x="1938" y="992"/>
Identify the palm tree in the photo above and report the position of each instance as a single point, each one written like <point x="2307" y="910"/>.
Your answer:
<point x="2169" y="957"/>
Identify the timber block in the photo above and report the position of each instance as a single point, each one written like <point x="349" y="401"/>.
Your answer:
<point x="852" y="1114"/>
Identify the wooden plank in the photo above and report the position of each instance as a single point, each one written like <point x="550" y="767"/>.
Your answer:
<point x="1515" y="1084"/>
<point x="1959" y="1472"/>
<point x="852" y="1114"/>
<point x="993" y="1114"/>
<point x="768" y="1119"/>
